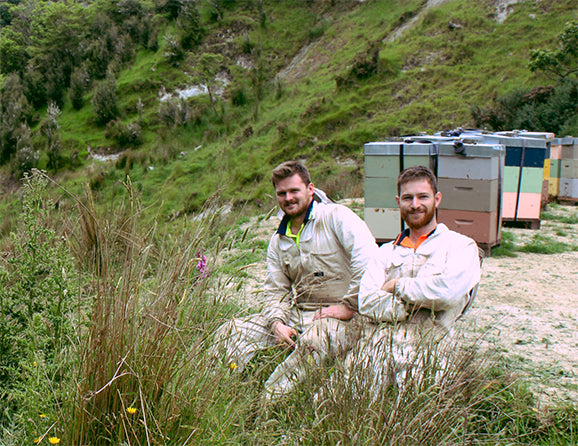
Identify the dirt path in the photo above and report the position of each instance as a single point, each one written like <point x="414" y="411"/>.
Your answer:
<point x="526" y="308"/>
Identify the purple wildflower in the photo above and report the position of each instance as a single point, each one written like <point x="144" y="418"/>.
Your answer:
<point x="202" y="265"/>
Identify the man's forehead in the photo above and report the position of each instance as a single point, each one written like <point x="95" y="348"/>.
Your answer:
<point x="419" y="185"/>
<point x="294" y="180"/>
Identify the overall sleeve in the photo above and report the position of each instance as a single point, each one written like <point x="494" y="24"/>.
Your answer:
<point x="277" y="287"/>
<point x="373" y="301"/>
<point x="358" y="241"/>
<point x="444" y="291"/>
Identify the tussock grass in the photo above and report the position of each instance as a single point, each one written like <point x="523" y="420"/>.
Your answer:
<point x="568" y="219"/>
<point x="508" y="246"/>
<point x="449" y="394"/>
<point x="541" y="244"/>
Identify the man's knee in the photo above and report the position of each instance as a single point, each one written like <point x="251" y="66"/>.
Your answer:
<point x="330" y="336"/>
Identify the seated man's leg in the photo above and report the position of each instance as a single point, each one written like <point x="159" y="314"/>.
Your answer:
<point x="322" y="339"/>
<point x="237" y="341"/>
<point x="386" y="356"/>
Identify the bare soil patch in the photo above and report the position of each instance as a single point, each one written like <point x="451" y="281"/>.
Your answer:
<point x="527" y="311"/>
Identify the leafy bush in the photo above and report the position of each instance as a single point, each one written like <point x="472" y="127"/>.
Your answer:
<point x="26" y="157"/>
<point x="174" y="52"/>
<point x="539" y="109"/>
<point x="105" y="102"/>
<point x="79" y="82"/>
<point x="124" y="134"/>
<point x="173" y="112"/>
<point x="37" y="279"/>
<point x="239" y="96"/>
<point x="14" y="110"/>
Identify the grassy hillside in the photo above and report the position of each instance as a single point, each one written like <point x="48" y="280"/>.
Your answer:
<point x="305" y="79"/>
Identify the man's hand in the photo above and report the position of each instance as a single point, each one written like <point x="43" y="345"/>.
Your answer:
<point x="389" y="286"/>
<point x="283" y="333"/>
<point x="340" y="311"/>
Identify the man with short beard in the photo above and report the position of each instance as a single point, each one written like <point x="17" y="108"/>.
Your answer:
<point x="315" y="260"/>
<point x="418" y="285"/>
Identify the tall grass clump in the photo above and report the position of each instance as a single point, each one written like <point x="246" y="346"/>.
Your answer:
<point x="129" y="365"/>
<point x="144" y="376"/>
<point x="507" y="247"/>
<point x="571" y="219"/>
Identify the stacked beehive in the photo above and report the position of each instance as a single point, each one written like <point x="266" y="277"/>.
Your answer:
<point x="470" y="180"/>
<point x="552" y="166"/>
<point x="383" y="163"/>
<point x="569" y="171"/>
<point x="523" y="176"/>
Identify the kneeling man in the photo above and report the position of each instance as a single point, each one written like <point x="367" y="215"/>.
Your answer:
<point x="418" y="285"/>
<point x="315" y="260"/>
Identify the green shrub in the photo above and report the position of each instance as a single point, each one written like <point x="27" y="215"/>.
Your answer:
<point x="37" y="299"/>
<point x="173" y="112"/>
<point x="538" y="109"/>
<point x="174" y="51"/>
<point x="105" y="102"/>
<point x="124" y="134"/>
<point x="79" y="82"/>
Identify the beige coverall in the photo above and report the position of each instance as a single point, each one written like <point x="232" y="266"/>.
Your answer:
<point x="325" y="269"/>
<point x="435" y="285"/>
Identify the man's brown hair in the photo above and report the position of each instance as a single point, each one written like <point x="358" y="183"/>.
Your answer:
<point x="288" y="169"/>
<point x="417" y="173"/>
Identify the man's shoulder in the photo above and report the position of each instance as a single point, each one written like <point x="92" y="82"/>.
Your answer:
<point x="336" y="210"/>
<point x="454" y="237"/>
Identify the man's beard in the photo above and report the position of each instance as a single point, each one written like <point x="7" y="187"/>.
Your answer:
<point x="426" y="218"/>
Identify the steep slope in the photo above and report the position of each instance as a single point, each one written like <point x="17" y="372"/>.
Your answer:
<point x="312" y="80"/>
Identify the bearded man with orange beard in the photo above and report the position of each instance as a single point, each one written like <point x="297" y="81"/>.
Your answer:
<point x="414" y="289"/>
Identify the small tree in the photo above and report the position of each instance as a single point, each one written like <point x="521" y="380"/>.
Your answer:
<point x="12" y="51"/>
<point x="189" y="20"/>
<point x="105" y="102"/>
<point x="14" y="110"/>
<point x="79" y="82"/>
<point x="26" y="157"/>
<point x="50" y="130"/>
<point x="174" y="52"/>
<point x="561" y="62"/>
<point x="208" y="66"/>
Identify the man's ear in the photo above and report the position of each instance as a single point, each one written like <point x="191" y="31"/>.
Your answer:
<point x="311" y="188"/>
<point x="397" y="200"/>
<point x="438" y="198"/>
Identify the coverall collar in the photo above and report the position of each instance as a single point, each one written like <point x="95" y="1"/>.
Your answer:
<point x="403" y="238"/>
<point x="282" y="229"/>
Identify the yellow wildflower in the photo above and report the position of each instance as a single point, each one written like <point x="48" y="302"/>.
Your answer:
<point x="232" y="366"/>
<point x="131" y="410"/>
<point x="37" y="440"/>
<point x="42" y="415"/>
<point x="53" y="440"/>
